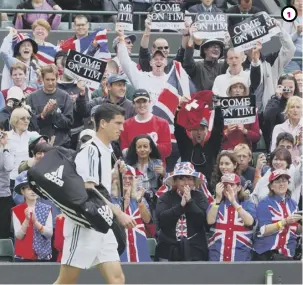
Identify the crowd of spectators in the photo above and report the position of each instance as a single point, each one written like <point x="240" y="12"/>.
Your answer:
<point x="208" y="198"/>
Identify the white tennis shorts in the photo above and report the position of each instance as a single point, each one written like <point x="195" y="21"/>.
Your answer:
<point x="84" y="248"/>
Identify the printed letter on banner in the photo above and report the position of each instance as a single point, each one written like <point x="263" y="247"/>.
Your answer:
<point x="245" y="34"/>
<point x="167" y="16"/>
<point x="83" y="67"/>
<point x="125" y="16"/>
<point x="210" y="26"/>
<point x="238" y="110"/>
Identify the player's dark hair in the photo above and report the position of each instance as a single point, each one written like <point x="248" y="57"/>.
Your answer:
<point x="107" y="112"/>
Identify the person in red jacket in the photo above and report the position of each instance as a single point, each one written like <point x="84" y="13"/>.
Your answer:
<point x="235" y="134"/>
<point x="146" y="123"/>
<point x="33" y="225"/>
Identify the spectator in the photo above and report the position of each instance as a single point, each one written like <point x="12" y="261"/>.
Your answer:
<point x="18" y="139"/>
<point x="145" y="157"/>
<point x="272" y="66"/>
<point x="240" y="133"/>
<point x="33" y="225"/>
<point x="280" y="159"/>
<point x="136" y="206"/>
<point x="299" y="78"/>
<point x="181" y="215"/>
<point x="227" y="163"/>
<point x="15" y="100"/>
<point x="153" y="81"/>
<point x="244" y="155"/>
<point x="41" y="30"/>
<point x="24" y="52"/>
<point x="146" y="123"/>
<point x="129" y="42"/>
<point x="6" y="201"/>
<point x="223" y="4"/>
<point x="234" y="60"/>
<point x="277" y="221"/>
<point x="53" y="108"/>
<point x="25" y="21"/>
<point x="140" y="6"/>
<point x="206" y="6"/>
<point x="295" y="30"/>
<point x="273" y="114"/>
<point x="243" y="7"/>
<point x="112" y="68"/>
<point x="59" y="238"/>
<point x="293" y="124"/>
<point x="159" y="44"/>
<point x="203" y="73"/>
<point x="232" y="203"/>
<point x="18" y="76"/>
<point x="116" y="88"/>
<point x="78" y="92"/>
<point x="66" y="5"/>
<point x="200" y="152"/>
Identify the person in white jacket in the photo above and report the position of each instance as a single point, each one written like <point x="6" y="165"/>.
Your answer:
<point x="234" y="60"/>
<point x="153" y="81"/>
<point x="280" y="159"/>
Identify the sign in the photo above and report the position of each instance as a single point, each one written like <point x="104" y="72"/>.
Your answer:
<point x="83" y="67"/>
<point x="238" y="110"/>
<point x="245" y="34"/>
<point x="210" y="26"/>
<point x="272" y="28"/>
<point x="125" y="16"/>
<point x="167" y="16"/>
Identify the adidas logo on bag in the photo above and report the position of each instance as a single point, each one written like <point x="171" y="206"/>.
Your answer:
<point x="56" y="176"/>
<point x="107" y="214"/>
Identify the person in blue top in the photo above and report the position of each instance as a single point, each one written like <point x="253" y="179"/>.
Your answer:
<point x="231" y="217"/>
<point x="278" y="225"/>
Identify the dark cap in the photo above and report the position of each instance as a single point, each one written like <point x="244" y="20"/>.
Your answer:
<point x="116" y="78"/>
<point x="158" y="52"/>
<point x="141" y="94"/>
<point x="204" y="122"/>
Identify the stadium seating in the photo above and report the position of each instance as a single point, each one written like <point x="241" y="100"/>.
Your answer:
<point x="6" y="250"/>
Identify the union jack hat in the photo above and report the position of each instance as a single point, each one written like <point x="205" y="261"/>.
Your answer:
<point x="132" y="171"/>
<point x="19" y="39"/>
<point x="277" y="173"/>
<point x="231" y="178"/>
<point x="183" y="169"/>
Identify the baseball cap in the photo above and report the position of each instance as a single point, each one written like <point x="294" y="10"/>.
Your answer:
<point x="35" y="137"/>
<point x="231" y="178"/>
<point x="132" y="37"/>
<point x="87" y="132"/>
<point x="277" y="173"/>
<point x="15" y="92"/>
<point x="158" y="52"/>
<point x="116" y="78"/>
<point x="141" y="94"/>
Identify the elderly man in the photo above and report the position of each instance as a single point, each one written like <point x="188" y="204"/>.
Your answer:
<point x="234" y="61"/>
<point x="159" y="44"/>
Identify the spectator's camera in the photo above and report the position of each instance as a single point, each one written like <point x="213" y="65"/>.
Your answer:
<point x="285" y="89"/>
<point x="149" y="195"/>
<point x="268" y="158"/>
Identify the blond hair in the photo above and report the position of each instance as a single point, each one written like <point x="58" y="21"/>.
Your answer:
<point x="17" y="114"/>
<point x="290" y="102"/>
<point x="243" y="146"/>
<point x="42" y="23"/>
<point x="50" y="68"/>
<point x="16" y="66"/>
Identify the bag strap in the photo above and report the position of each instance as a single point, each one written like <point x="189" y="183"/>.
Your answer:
<point x="99" y="164"/>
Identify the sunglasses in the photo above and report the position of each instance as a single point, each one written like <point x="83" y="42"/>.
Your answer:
<point x="162" y="48"/>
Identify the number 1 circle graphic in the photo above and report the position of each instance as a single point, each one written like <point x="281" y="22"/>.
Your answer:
<point x="289" y="13"/>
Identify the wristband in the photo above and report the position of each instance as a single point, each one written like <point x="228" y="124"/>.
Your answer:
<point x="238" y="208"/>
<point x="215" y="205"/>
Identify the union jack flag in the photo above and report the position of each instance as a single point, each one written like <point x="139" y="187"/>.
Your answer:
<point x="136" y="243"/>
<point x="82" y="45"/>
<point x="46" y="54"/>
<point x="231" y="239"/>
<point x="283" y="236"/>
<point x="181" y="228"/>
<point x="178" y="84"/>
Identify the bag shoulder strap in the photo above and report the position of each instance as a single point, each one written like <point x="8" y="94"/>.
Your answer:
<point x="99" y="164"/>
